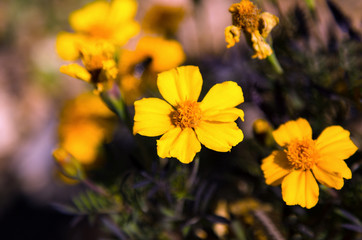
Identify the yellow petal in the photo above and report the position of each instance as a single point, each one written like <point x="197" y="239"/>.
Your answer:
<point x="219" y="136"/>
<point x="334" y="143"/>
<point x="292" y="130"/>
<point x="222" y="96"/>
<point x="275" y="167"/>
<point x="152" y="117"/>
<point x="328" y="178"/>
<point x="122" y="34"/>
<point x="76" y="71"/>
<point x="300" y="188"/>
<point x="181" y="144"/>
<point x="67" y="46"/>
<point x="261" y="47"/>
<point x="180" y="84"/>
<point x="270" y="21"/>
<point x="232" y="35"/>
<point x="223" y="115"/>
<point x="335" y="165"/>
<point x="92" y="14"/>
<point x="121" y="11"/>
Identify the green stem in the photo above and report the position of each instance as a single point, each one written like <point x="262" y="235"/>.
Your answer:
<point x="275" y="63"/>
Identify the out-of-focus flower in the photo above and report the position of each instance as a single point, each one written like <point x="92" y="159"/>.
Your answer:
<point x="158" y="54"/>
<point x="98" y="21"/>
<point x="85" y="124"/>
<point x="262" y="131"/>
<point x="100" y="68"/>
<point x="71" y="169"/>
<point x="221" y="229"/>
<point x="163" y="19"/>
<point x="304" y="160"/>
<point x="183" y="121"/>
<point x="256" y="26"/>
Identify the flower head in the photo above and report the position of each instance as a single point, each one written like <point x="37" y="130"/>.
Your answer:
<point x="304" y="160"/>
<point x="248" y="18"/>
<point x="100" y="68"/>
<point x="101" y="21"/>
<point x="183" y="121"/>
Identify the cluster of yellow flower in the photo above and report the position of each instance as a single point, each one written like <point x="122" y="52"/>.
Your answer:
<point x="101" y="31"/>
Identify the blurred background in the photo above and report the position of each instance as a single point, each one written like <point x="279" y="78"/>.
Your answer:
<point x="324" y="41"/>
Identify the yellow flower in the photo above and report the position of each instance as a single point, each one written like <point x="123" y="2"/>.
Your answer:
<point x="304" y="160"/>
<point x="101" y="21"/>
<point x="248" y="18"/>
<point x="85" y="124"/>
<point x="183" y="121"/>
<point x="100" y="68"/>
<point x="71" y="169"/>
<point x="163" y="19"/>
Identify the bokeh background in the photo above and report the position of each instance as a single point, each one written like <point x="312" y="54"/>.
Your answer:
<point x="320" y="48"/>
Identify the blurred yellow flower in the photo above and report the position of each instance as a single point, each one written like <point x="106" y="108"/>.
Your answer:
<point x="85" y="124"/>
<point x="163" y="19"/>
<point x="101" y="21"/>
<point x="183" y="121"/>
<point x="100" y="68"/>
<point x="256" y="26"/>
<point x="159" y="53"/>
<point x="71" y="169"/>
<point x="304" y="160"/>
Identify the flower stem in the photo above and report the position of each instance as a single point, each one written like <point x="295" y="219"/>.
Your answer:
<point x="275" y="63"/>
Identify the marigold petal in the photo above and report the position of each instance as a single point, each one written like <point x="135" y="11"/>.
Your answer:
<point x="152" y="117"/>
<point x="222" y="96"/>
<point x="334" y="142"/>
<point x="328" y="178"/>
<point x="67" y="46"/>
<point x="219" y="136"/>
<point x="76" y="71"/>
<point x="92" y="14"/>
<point x="181" y="144"/>
<point x="300" y="187"/>
<point x="335" y="165"/>
<point x="275" y="167"/>
<point x="121" y="35"/>
<point x="223" y="115"/>
<point x="121" y="11"/>
<point x="292" y="130"/>
<point x="180" y="84"/>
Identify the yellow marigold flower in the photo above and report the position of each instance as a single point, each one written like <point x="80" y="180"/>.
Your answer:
<point x="248" y="18"/>
<point x="304" y="160"/>
<point x="163" y="19"/>
<point x="183" y="121"/>
<point x="85" y="123"/>
<point x="100" y="20"/>
<point x="100" y="68"/>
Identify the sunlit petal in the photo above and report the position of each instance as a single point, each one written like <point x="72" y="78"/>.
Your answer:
<point x="67" y="45"/>
<point x="334" y="142"/>
<point x="222" y="96"/>
<point x="275" y="167"/>
<point x="327" y="178"/>
<point x="292" y="130"/>
<point x="180" y="84"/>
<point x="76" y="71"/>
<point x="224" y="115"/>
<point x="300" y="188"/>
<point x="152" y="117"/>
<point x="219" y="136"/>
<point x="181" y="144"/>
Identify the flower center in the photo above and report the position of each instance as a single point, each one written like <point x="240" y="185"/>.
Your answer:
<point x="302" y="154"/>
<point x="245" y="15"/>
<point x="186" y="115"/>
<point x="100" y="31"/>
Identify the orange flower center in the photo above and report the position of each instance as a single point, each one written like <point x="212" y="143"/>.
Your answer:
<point x="186" y="115"/>
<point x="245" y="15"/>
<point x="302" y="154"/>
<point x="100" y="31"/>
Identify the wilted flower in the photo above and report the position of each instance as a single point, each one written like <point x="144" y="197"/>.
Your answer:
<point x="98" y="21"/>
<point x="183" y="121"/>
<point x="304" y="160"/>
<point x="256" y="26"/>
